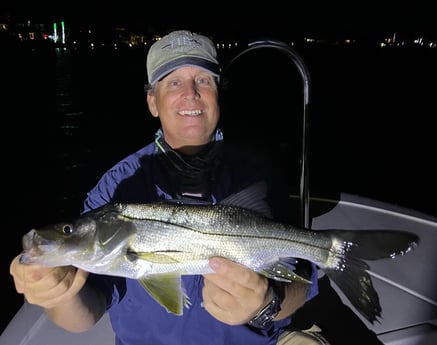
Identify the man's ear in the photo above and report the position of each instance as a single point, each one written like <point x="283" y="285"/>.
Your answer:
<point x="151" y="101"/>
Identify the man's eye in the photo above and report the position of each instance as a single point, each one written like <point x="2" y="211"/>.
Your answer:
<point x="203" y="81"/>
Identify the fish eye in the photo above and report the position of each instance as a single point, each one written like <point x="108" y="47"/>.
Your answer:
<point x="67" y="229"/>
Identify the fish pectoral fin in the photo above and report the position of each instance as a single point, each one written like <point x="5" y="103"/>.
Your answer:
<point x="156" y="257"/>
<point x="167" y="290"/>
<point x="283" y="270"/>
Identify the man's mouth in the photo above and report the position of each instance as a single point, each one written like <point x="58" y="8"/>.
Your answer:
<point x="190" y="112"/>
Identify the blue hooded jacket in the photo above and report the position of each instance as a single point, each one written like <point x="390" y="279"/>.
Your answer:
<point x="137" y="319"/>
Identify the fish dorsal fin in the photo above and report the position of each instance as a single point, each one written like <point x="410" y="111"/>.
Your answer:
<point x="167" y="290"/>
<point x="252" y="197"/>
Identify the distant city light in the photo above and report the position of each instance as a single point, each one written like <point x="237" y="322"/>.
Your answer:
<point x="63" y="31"/>
<point x="55" y="32"/>
<point x="64" y="34"/>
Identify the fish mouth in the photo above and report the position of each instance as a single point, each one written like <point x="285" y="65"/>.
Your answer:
<point x="30" y="247"/>
<point x="34" y="238"/>
<point x="28" y="240"/>
<point x="33" y="245"/>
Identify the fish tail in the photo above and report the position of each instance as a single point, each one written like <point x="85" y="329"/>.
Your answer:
<point x="348" y="270"/>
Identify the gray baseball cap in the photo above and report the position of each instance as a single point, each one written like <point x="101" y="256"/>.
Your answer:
<point x="178" y="49"/>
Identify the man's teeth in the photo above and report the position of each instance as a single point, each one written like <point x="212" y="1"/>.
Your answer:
<point x="190" y="112"/>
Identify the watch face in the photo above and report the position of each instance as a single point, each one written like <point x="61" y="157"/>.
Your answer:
<point x="266" y="315"/>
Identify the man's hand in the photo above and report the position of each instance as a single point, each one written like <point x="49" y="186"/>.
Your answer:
<point x="47" y="287"/>
<point x="234" y="294"/>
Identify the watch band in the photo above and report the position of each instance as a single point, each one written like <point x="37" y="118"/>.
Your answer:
<point x="265" y="316"/>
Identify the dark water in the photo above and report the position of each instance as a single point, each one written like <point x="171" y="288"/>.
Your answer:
<point x="67" y="116"/>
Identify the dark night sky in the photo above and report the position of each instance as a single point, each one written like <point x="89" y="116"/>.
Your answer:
<point x="271" y="16"/>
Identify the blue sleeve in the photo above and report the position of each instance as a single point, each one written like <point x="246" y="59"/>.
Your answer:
<point x="314" y="287"/>
<point x="105" y="188"/>
<point x="102" y="193"/>
<point x="113" y="288"/>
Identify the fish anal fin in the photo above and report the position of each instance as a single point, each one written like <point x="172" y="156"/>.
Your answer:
<point x="167" y="290"/>
<point x="283" y="270"/>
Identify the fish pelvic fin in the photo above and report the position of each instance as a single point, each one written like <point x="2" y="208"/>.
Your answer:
<point x="167" y="289"/>
<point x="347" y="267"/>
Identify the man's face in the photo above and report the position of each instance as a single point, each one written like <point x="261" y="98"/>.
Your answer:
<point x="186" y="102"/>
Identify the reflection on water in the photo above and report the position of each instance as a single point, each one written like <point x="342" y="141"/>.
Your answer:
<point x="78" y="112"/>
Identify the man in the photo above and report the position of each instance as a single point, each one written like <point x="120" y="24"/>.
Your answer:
<point x="187" y="160"/>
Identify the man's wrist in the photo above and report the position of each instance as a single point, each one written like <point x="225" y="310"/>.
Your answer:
<point x="264" y="318"/>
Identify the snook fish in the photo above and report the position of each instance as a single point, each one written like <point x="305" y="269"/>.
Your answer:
<point x="158" y="242"/>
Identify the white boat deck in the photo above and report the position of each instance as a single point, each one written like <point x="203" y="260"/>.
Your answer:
<point x="407" y="285"/>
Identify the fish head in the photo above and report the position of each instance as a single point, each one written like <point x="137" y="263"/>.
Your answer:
<point x="61" y="244"/>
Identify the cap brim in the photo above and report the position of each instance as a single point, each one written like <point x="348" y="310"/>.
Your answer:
<point x="171" y="66"/>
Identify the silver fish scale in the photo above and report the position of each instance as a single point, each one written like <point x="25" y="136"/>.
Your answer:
<point x="193" y="233"/>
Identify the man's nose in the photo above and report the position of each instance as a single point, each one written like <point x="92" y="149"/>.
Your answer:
<point x="190" y="90"/>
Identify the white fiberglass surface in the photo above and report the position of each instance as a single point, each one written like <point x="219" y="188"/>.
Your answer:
<point x="407" y="285"/>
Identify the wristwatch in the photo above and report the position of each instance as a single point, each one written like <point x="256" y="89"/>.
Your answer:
<point x="265" y="316"/>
